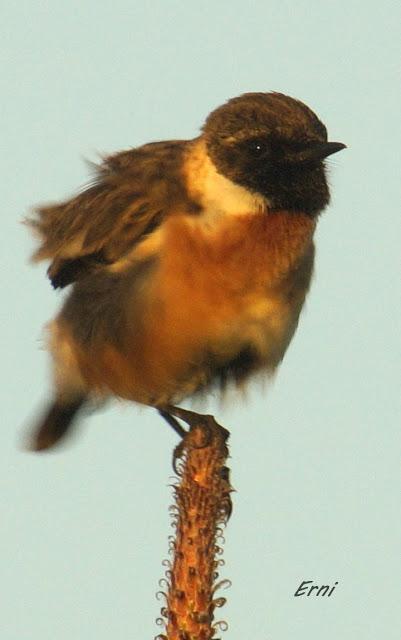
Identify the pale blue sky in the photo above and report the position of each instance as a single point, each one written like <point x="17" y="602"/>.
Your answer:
<point x="315" y="459"/>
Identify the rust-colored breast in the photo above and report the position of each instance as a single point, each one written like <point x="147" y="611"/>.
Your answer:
<point x="216" y="286"/>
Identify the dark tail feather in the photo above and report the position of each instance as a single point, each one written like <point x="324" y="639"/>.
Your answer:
<point x="56" y="423"/>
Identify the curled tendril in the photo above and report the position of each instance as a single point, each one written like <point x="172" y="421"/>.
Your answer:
<point x="220" y="625"/>
<point x="173" y="481"/>
<point x="160" y="622"/>
<point x="161" y="636"/>
<point x="223" y="584"/>
<point x="173" y="508"/>
<point x="220" y="562"/>
<point x="219" y="602"/>
<point x="163" y="583"/>
<point x="160" y="595"/>
<point x="166" y="563"/>
<point x="178" y="464"/>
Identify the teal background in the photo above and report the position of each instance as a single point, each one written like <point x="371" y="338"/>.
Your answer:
<point x="315" y="458"/>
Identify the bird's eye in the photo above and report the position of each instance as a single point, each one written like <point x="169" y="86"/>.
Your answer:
<point x="258" y="147"/>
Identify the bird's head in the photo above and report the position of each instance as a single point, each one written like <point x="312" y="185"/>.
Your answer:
<point x="274" y="146"/>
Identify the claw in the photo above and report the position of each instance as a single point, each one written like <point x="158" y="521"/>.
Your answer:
<point x="177" y="455"/>
<point x="174" y="424"/>
<point x="190" y="417"/>
<point x="193" y="419"/>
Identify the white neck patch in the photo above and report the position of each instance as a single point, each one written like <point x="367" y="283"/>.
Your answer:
<point x="217" y="194"/>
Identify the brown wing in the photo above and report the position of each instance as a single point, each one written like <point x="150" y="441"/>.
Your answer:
<point x="132" y="193"/>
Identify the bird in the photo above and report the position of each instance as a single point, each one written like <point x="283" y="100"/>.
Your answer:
<point x="187" y="262"/>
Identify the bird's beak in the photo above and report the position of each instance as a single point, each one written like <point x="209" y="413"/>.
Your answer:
<point x="319" y="151"/>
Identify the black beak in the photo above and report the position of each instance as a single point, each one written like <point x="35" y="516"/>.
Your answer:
<point x="318" y="151"/>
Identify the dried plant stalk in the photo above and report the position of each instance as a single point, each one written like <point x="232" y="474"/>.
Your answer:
<point x="203" y="505"/>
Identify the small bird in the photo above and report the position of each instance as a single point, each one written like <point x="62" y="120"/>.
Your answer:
<point x="188" y="261"/>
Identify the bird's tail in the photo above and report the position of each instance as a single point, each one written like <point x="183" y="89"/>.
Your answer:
<point x="56" y="422"/>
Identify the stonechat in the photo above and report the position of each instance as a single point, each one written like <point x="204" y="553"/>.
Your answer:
<point x="187" y="261"/>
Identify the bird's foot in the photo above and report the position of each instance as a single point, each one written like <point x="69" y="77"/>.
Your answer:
<point x="206" y="427"/>
<point x="193" y="419"/>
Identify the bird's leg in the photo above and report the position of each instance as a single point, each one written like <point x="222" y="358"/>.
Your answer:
<point x="174" y="424"/>
<point x="206" y="422"/>
<point x="179" y="449"/>
<point x="194" y="419"/>
<point x="190" y="417"/>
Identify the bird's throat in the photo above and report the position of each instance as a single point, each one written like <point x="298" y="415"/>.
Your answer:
<point x="240" y="252"/>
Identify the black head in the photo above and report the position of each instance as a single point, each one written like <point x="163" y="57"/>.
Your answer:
<point x="273" y="145"/>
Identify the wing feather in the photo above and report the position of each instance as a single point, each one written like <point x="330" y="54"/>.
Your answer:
<point x="132" y="193"/>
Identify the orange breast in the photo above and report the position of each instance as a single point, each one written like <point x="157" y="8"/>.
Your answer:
<point x="213" y="285"/>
